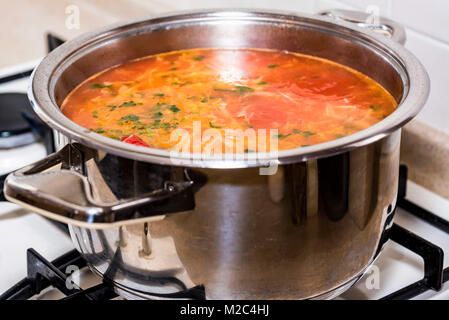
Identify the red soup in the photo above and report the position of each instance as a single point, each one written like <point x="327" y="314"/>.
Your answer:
<point x="152" y="100"/>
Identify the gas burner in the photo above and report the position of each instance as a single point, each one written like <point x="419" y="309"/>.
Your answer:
<point x="15" y="129"/>
<point x="19" y="126"/>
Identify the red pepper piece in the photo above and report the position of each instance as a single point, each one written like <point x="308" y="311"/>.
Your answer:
<point x="135" y="140"/>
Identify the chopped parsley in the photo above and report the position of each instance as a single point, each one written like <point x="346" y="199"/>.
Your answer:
<point x="375" y="108"/>
<point x="157" y="115"/>
<point x="98" y="130"/>
<point x="272" y="66"/>
<point x="281" y="136"/>
<point x="95" y="114"/>
<point x="174" y="108"/>
<point x="212" y="126"/>
<point x="237" y="89"/>
<point x="198" y="58"/>
<point x="223" y="90"/>
<point x="243" y="89"/>
<point x="157" y="124"/>
<point x="167" y="125"/>
<point x="130" y="103"/>
<point x="262" y="83"/>
<point x="304" y="133"/>
<point x="101" y="86"/>
<point x="158" y="95"/>
<point x="160" y="105"/>
<point x="130" y="117"/>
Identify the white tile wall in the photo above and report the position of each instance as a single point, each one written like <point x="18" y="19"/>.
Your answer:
<point x="434" y="54"/>
<point x="306" y="6"/>
<point x="427" y="25"/>
<point x="428" y="17"/>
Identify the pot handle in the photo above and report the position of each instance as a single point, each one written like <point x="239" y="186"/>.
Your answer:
<point x="66" y="195"/>
<point x="387" y="27"/>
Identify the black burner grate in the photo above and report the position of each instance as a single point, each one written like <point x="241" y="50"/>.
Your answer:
<point x="434" y="275"/>
<point x="433" y="264"/>
<point x="43" y="274"/>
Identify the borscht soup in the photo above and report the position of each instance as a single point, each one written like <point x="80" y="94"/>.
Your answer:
<point x="304" y="99"/>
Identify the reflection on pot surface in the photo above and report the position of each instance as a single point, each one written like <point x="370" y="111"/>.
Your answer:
<point x="309" y="229"/>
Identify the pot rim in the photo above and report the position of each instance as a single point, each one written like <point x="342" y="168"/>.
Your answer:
<point x="414" y="77"/>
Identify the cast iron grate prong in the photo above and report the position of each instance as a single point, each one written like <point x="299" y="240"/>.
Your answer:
<point x="42" y="274"/>
<point x="434" y="275"/>
<point x="433" y="263"/>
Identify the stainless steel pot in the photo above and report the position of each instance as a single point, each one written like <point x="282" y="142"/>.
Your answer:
<point x="217" y="228"/>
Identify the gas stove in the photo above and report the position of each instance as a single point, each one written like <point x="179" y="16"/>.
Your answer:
<point x="38" y="260"/>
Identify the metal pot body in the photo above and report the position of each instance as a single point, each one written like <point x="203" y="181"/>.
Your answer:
<point x="218" y="228"/>
<point x="303" y="232"/>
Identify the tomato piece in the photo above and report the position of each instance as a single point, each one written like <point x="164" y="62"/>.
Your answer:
<point x="262" y="110"/>
<point x="135" y="140"/>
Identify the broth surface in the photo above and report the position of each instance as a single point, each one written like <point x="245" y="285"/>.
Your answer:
<point x="307" y="99"/>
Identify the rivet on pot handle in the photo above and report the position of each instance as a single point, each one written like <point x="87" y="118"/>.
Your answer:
<point x="387" y="27"/>
<point x="66" y="195"/>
